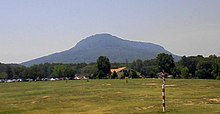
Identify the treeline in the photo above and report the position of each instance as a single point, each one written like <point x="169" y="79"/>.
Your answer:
<point x="199" y="67"/>
<point x="46" y="70"/>
<point x="188" y="67"/>
<point x="196" y="67"/>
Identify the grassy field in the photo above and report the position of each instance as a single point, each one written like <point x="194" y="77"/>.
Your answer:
<point x="110" y="96"/>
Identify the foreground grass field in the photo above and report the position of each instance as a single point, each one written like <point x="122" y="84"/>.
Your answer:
<point x="110" y="96"/>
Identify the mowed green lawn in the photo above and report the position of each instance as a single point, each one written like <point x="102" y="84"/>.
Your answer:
<point x="110" y="96"/>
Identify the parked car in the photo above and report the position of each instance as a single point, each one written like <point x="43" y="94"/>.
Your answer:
<point x="76" y="78"/>
<point x="2" y="81"/>
<point x="19" y="80"/>
<point x="10" y="80"/>
<point x="29" y="80"/>
<point x="52" y="79"/>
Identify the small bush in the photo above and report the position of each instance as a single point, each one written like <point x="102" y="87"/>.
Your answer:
<point x="218" y="78"/>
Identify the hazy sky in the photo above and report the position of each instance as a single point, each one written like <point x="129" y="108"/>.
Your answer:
<point x="33" y="28"/>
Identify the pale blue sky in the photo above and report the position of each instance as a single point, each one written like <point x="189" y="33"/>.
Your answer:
<point x="33" y="28"/>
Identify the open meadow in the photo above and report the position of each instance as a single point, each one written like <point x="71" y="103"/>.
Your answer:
<point x="110" y="96"/>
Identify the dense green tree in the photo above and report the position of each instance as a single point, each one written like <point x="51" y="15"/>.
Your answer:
<point x="204" y="70"/>
<point x="191" y="63"/>
<point x="70" y="72"/>
<point x="165" y="62"/>
<point x="134" y="74"/>
<point x="46" y="69"/>
<point x="9" y="72"/>
<point x="18" y="72"/>
<point x="78" y="67"/>
<point x="114" y="75"/>
<point x="90" y="70"/>
<point x="59" y="71"/>
<point x="185" y="73"/>
<point x="35" y="72"/>
<point x="3" y="75"/>
<point x="101" y="75"/>
<point x="3" y="67"/>
<point x="149" y="68"/>
<point x="137" y="65"/>
<point x="215" y="65"/>
<point x="26" y="73"/>
<point x="104" y="66"/>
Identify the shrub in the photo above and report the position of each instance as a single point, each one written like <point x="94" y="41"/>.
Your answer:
<point x="218" y="78"/>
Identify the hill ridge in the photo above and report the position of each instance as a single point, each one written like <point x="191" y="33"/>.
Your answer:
<point x="115" y="48"/>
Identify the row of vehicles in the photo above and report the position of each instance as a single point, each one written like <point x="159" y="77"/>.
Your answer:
<point x="40" y="79"/>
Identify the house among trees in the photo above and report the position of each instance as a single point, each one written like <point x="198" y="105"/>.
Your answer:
<point x="123" y="72"/>
<point x="122" y="69"/>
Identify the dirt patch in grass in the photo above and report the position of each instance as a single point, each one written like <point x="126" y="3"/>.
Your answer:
<point x="138" y="108"/>
<point x="170" y="85"/>
<point x="189" y="103"/>
<point x="214" y="100"/>
<point x="155" y="84"/>
<point x="143" y="108"/>
<point x="151" y="84"/>
<point x="211" y="101"/>
<point x="150" y="107"/>
<point x="118" y="92"/>
<point x="107" y="84"/>
<point x="46" y="97"/>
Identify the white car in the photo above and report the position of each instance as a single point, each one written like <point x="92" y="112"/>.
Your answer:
<point x="52" y="79"/>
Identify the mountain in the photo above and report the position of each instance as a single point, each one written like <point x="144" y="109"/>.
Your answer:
<point x="116" y="49"/>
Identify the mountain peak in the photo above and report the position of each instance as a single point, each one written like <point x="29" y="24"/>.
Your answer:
<point x="104" y="39"/>
<point x="102" y="35"/>
<point x="116" y="49"/>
